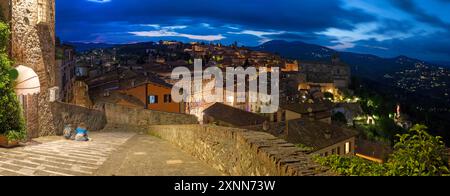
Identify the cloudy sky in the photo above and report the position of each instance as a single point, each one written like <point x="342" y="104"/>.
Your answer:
<point x="417" y="28"/>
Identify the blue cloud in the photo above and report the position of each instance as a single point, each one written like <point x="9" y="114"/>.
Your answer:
<point x="378" y="27"/>
<point x="99" y="1"/>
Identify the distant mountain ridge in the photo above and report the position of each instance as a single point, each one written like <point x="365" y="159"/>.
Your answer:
<point x="364" y="65"/>
<point x="86" y="46"/>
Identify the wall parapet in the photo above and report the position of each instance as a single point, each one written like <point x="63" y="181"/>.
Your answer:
<point x="240" y="152"/>
<point x="94" y="119"/>
<point x="117" y="114"/>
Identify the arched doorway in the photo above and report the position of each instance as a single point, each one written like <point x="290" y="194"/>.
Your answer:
<point x="27" y="89"/>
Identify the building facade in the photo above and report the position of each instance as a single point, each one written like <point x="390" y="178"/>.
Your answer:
<point x="155" y="97"/>
<point x="32" y="44"/>
<point x="66" y="63"/>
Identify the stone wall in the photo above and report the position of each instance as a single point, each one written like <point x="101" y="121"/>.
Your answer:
<point x="117" y="114"/>
<point x="239" y="152"/>
<point x="33" y="45"/>
<point x="94" y="119"/>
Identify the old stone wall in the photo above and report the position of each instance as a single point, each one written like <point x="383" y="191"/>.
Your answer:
<point x="94" y="119"/>
<point x="33" y="45"/>
<point x="239" y="152"/>
<point x="117" y="114"/>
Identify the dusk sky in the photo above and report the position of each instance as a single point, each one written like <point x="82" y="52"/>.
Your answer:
<point x="416" y="28"/>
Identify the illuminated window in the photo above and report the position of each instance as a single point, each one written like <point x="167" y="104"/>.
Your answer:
<point x="348" y="147"/>
<point x="153" y="99"/>
<point x="42" y="11"/>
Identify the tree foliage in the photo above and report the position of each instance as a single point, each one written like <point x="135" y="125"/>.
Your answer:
<point x="11" y="120"/>
<point x="352" y="166"/>
<point x="418" y="154"/>
<point x="415" y="154"/>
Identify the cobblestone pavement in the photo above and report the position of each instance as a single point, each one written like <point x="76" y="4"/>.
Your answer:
<point x="111" y="153"/>
<point x="62" y="157"/>
<point x="144" y="155"/>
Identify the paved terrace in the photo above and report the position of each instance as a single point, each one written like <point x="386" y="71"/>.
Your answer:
<point x="113" y="152"/>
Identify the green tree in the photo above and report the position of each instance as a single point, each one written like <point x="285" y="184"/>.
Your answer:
<point x="415" y="154"/>
<point x="418" y="154"/>
<point x="352" y="166"/>
<point x="11" y="120"/>
<point x="388" y="129"/>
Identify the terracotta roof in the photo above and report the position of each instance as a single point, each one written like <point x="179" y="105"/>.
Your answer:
<point x="142" y="79"/>
<point x="322" y="115"/>
<point x="233" y="115"/>
<point x="316" y="134"/>
<point x="306" y="108"/>
<point x="115" y="97"/>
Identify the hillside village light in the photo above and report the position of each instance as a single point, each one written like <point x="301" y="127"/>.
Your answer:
<point x="192" y="84"/>
<point x="27" y="82"/>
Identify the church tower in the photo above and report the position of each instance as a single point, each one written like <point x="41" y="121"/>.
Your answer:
<point x="32" y="44"/>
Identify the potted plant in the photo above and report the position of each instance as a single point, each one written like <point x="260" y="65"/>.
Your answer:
<point x="12" y="124"/>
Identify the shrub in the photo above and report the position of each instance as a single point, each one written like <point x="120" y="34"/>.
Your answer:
<point x="416" y="154"/>
<point x="352" y="166"/>
<point x="12" y="123"/>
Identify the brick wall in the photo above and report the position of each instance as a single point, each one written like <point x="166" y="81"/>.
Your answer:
<point x="117" y="114"/>
<point x="240" y="152"/>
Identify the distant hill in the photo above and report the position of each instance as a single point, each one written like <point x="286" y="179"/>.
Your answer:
<point x="83" y="47"/>
<point x="443" y="63"/>
<point x="297" y="50"/>
<point x="363" y="65"/>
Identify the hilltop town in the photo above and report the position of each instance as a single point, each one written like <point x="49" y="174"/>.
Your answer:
<point x="312" y="93"/>
<point x="111" y="110"/>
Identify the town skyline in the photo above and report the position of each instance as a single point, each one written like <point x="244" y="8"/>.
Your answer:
<point x="176" y="102"/>
<point x="383" y="28"/>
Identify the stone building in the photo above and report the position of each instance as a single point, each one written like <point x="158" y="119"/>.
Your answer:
<point x="32" y="44"/>
<point x="80" y="91"/>
<point x="65" y="62"/>
<point x="329" y="76"/>
<point x="321" y="138"/>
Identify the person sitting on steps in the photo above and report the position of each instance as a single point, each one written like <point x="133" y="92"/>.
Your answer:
<point x="82" y="133"/>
